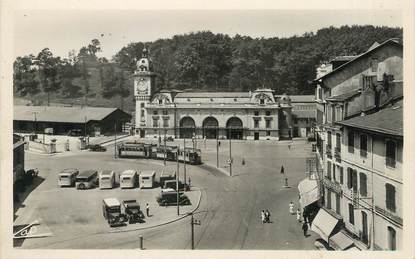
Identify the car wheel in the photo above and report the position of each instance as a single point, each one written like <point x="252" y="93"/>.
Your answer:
<point x="81" y="186"/>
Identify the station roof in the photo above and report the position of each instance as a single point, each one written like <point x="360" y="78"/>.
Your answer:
<point x="61" y="113"/>
<point x="388" y="121"/>
<point x="214" y="95"/>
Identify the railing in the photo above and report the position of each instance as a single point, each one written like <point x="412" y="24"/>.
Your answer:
<point x="391" y="162"/>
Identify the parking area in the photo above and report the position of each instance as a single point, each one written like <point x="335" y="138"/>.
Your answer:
<point x="70" y="213"/>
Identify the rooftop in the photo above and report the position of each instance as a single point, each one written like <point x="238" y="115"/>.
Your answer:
<point x="61" y="114"/>
<point x="304" y="113"/>
<point x="372" y="48"/>
<point x="389" y="120"/>
<point x="343" y="97"/>
<point x="299" y="98"/>
<point x="214" y="95"/>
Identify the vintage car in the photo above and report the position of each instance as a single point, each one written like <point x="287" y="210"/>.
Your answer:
<point x="169" y="197"/>
<point x="111" y="210"/>
<point x="132" y="211"/>
<point x="97" y="148"/>
<point x="172" y="184"/>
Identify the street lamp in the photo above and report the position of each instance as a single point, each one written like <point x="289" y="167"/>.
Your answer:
<point x="35" y="121"/>
<point x="217" y="147"/>
<point x="184" y="160"/>
<point x="230" y="151"/>
<point x="165" y="132"/>
<point x="177" y="181"/>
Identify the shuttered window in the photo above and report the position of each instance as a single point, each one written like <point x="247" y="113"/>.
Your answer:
<point x="390" y="197"/>
<point x="363" y="184"/>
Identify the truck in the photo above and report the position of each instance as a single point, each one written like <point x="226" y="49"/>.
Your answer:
<point x="111" y="210"/>
<point x="132" y="211"/>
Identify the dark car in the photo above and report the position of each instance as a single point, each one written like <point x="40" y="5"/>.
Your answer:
<point x="169" y="197"/>
<point x="132" y="211"/>
<point x="172" y="184"/>
<point x="97" y="148"/>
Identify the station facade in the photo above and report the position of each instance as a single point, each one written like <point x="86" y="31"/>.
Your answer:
<point x="256" y="115"/>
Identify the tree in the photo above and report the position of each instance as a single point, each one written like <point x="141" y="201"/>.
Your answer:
<point x="69" y="71"/>
<point x="48" y="71"/>
<point x="25" y="79"/>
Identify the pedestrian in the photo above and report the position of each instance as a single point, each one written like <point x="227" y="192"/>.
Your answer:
<point x="190" y="182"/>
<point x="298" y="215"/>
<point x="263" y="216"/>
<point x="291" y="205"/>
<point x="289" y="146"/>
<point x="305" y="216"/>
<point x="305" y="228"/>
<point x="148" y="210"/>
<point x="267" y="216"/>
<point x="243" y="161"/>
<point x="282" y="169"/>
<point x="219" y="143"/>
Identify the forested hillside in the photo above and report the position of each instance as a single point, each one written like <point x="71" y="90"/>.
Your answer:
<point x="201" y="61"/>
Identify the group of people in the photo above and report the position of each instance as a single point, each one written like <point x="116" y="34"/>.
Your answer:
<point x="265" y="216"/>
<point x="305" y="224"/>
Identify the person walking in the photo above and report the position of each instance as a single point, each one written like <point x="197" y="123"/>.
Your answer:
<point x="263" y="216"/>
<point x="305" y="216"/>
<point x="291" y="205"/>
<point x="282" y="169"/>
<point x="298" y="215"/>
<point x="267" y="216"/>
<point x="148" y="210"/>
<point x="190" y="182"/>
<point x="305" y="228"/>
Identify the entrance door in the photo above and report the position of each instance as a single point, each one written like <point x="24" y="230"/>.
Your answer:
<point x="142" y="133"/>
<point x="256" y="135"/>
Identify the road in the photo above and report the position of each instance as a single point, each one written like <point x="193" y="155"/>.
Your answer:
<point x="230" y="206"/>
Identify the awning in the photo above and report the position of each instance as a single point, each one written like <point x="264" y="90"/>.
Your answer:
<point x="340" y="241"/>
<point x="308" y="190"/>
<point x="323" y="224"/>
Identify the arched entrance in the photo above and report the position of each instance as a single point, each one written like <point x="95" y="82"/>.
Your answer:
<point x="234" y="128"/>
<point x="187" y="127"/>
<point x="210" y="127"/>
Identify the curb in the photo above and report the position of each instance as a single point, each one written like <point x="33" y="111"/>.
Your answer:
<point x="213" y="168"/>
<point x="164" y="223"/>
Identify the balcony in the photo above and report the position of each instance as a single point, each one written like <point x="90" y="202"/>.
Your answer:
<point x="328" y="151"/>
<point x="337" y="154"/>
<point x="391" y="162"/>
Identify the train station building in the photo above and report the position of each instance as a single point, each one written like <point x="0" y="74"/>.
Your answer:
<point x="255" y="115"/>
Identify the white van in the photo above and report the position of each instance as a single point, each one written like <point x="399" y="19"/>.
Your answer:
<point x="106" y="179"/>
<point x="67" y="177"/>
<point x="128" y="179"/>
<point x="147" y="179"/>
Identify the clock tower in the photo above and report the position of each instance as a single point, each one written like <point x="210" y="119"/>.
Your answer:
<point x="144" y="80"/>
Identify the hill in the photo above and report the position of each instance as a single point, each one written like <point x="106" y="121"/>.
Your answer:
<point x="204" y="61"/>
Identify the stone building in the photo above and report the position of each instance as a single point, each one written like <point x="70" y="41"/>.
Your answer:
<point x="359" y="147"/>
<point x="239" y="115"/>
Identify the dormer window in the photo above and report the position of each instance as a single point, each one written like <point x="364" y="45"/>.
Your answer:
<point x="160" y="101"/>
<point x="261" y="101"/>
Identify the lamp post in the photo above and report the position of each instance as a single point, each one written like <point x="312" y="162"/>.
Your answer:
<point x="184" y="160"/>
<point x="193" y="222"/>
<point x="177" y="182"/>
<point x="35" y="121"/>
<point x="217" y="147"/>
<point x="164" y="161"/>
<point x="115" y="140"/>
<point x="85" y="127"/>
<point x="230" y="152"/>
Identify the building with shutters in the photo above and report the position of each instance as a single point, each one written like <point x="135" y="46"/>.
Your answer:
<point x="238" y="115"/>
<point x="359" y="112"/>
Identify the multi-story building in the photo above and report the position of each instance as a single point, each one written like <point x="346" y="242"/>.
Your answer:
<point x="303" y="115"/>
<point x="240" y="115"/>
<point x="354" y="182"/>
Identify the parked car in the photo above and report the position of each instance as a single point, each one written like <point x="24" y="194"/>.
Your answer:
<point x="169" y="197"/>
<point x="97" y="148"/>
<point x="111" y="210"/>
<point x="132" y="211"/>
<point x="169" y="139"/>
<point x="172" y="184"/>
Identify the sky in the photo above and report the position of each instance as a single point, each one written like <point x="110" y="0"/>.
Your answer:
<point x="64" y="30"/>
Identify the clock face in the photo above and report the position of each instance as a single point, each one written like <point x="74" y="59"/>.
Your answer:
<point x="142" y="85"/>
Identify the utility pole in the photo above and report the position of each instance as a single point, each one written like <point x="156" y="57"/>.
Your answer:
<point x="193" y="222"/>
<point x="165" y="147"/>
<point x="35" y="121"/>
<point x="177" y="182"/>
<point x="184" y="160"/>
<point x="115" y="140"/>
<point x="217" y="147"/>
<point x="85" y="127"/>
<point x="230" y="152"/>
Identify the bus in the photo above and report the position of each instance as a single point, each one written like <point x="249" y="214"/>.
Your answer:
<point x="67" y="177"/>
<point x="147" y="179"/>
<point x="128" y="178"/>
<point x="86" y="179"/>
<point x="106" y="179"/>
